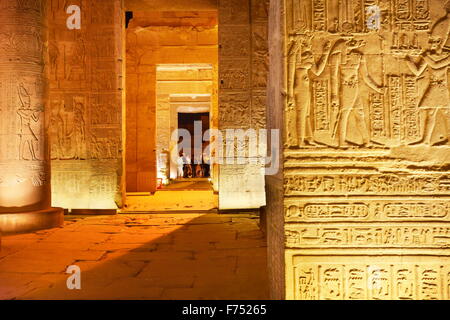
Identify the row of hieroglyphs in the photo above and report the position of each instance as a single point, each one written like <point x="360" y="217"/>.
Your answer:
<point x="349" y="235"/>
<point x="351" y="279"/>
<point x="368" y="184"/>
<point x="335" y="16"/>
<point x="85" y="182"/>
<point x="33" y="173"/>
<point x="336" y="98"/>
<point x="363" y="210"/>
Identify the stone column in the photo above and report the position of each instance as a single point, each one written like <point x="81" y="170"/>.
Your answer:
<point x="24" y="162"/>
<point x="242" y="86"/>
<point x="361" y="209"/>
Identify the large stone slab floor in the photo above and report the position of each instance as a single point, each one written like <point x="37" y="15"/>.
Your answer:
<point x="173" y="200"/>
<point x="139" y="256"/>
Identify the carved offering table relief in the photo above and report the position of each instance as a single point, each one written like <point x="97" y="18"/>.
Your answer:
<point x="367" y="149"/>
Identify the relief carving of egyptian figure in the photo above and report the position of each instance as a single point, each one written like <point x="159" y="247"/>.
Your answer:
<point x="28" y="138"/>
<point x="67" y="129"/>
<point x="78" y="132"/>
<point x="77" y="61"/>
<point x="436" y="96"/>
<point x="442" y="27"/>
<point x="299" y="92"/>
<point x="56" y="131"/>
<point x="349" y="67"/>
<point x="53" y="55"/>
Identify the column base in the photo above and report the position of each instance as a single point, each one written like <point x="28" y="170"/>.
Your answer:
<point x="14" y="223"/>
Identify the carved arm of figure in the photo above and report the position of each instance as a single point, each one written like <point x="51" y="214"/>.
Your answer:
<point x="367" y="78"/>
<point x="82" y="129"/>
<point x="292" y="60"/>
<point x="417" y="70"/>
<point x="22" y="113"/>
<point x="436" y="64"/>
<point x="35" y="116"/>
<point x="23" y="92"/>
<point x="335" y="79"/>
<point x="335" y="58"/>
<point x="317" y="69"/>
<point x="37" y="113"/>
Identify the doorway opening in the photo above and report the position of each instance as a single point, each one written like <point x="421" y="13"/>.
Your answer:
<point x="171" y="75"/>
<point x="183" y="118"/>
<point x="194" y="162"/>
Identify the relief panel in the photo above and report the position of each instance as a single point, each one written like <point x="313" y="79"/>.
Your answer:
<point x="368" y="277"/>
<point x="85" y="105"/>
<point x="400" y="98"/>
<point x="243" y="70"/>
<point x="366" y="149"/>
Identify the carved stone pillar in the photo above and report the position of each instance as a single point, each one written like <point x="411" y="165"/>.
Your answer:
<point x="242" y="86"/>
<point x="362" y="208"/>
<point x="24" y="166"/>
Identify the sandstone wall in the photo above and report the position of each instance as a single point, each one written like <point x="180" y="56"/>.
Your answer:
<point x="366" y="156"/>
<point x="86" y="110"/>
<point x="243" y="68"/>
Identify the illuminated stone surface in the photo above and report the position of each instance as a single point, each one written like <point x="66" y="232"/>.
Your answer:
<point x="173" y="200"/>
<point x="359" y="209"/>
<point x="86" y="108"/>
<point x="243" y="67"/>
<point x="85" y="66"/>
<point x="170" y="256"/>
<point x="365" y="185"/>
<point x="24" y="165"/>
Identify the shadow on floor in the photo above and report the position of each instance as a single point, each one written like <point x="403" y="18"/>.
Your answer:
<point x="142" y="257"/>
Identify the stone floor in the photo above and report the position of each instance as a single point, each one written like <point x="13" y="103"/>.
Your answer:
<point x="172" y="201"/>
<point x="189" y="184"/>
<point x="139" y="256"/>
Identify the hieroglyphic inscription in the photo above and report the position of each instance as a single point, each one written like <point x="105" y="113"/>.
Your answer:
<point x="320" y="100"/>
<point x="368" y="184"/>
<point x="350" y="16"/>
<point x="243" y="71"/>
<point x="378" y="236"/>
<point x="360" y="210"/>
<point x="357" y="278"/>
<point x="367" y="117"/>
<point x="85" y="115"/>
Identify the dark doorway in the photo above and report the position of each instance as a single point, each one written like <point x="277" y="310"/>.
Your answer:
<point x="195" y="162"/>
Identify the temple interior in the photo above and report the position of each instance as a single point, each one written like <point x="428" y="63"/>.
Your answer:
<point x="225" y="149"/>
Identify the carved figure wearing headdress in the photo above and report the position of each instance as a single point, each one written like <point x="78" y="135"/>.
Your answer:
<point x="302" y="62"/>
<point x="349" y="67"/>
